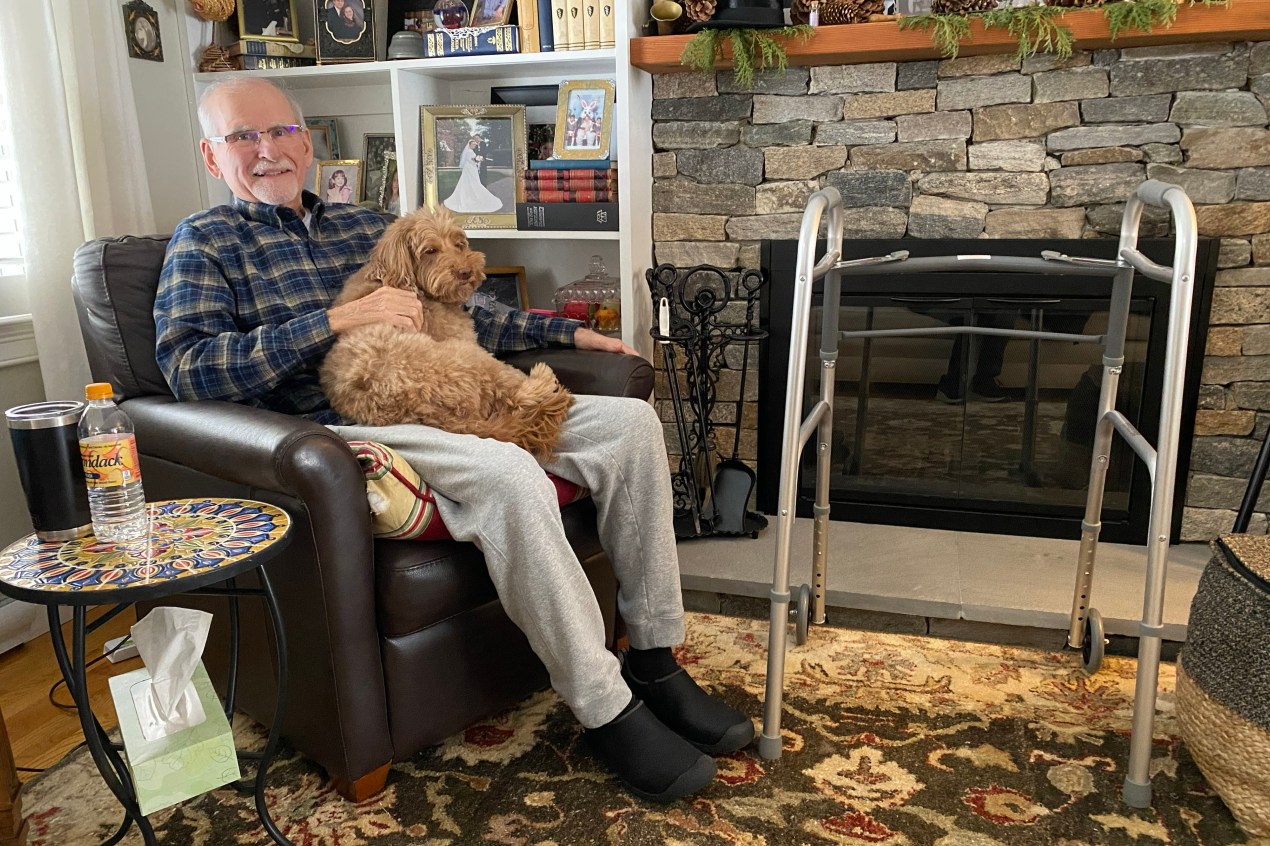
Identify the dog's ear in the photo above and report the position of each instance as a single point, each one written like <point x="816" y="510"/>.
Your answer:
<point x="392" y="261"/>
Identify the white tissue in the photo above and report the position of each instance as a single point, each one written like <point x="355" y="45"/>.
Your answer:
<point x="170" y="642"/>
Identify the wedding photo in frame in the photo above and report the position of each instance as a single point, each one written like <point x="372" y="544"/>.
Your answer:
<point x="506" y="285"/>
<point x="374" y="146"/>
<point x="267" y="20"/>
<point x="338" y="180"/>
<point x="584" y="119"/>
<point x="345" y="31"/>
<point x="324" y="137"/>
<point x="472" y="160"/>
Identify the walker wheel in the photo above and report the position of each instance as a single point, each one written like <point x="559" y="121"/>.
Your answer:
<point x="802" y="614"/>
<point x="1095" y="642"/>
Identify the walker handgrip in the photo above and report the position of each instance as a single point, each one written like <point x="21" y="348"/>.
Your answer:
<point x="1153" y="190"/>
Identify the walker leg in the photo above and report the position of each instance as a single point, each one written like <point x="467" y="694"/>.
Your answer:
<point x="1091" y="525"/>
<point x="769" y="742"/>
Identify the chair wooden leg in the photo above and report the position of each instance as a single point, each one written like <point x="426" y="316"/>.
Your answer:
<point x="12" y="828"/>
<point x="359" y="790"/>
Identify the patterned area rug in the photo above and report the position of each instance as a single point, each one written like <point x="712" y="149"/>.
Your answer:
<point x="889" y="739"/>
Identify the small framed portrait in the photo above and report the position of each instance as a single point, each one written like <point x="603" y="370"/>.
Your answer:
<point x="345" y="31"/>
<point x="541" y="138"/>
<point x="325" y="138"/>
<point x="374" y="145"/>
<point x="491" y="12"/>
<point x="584" y="119"/>
<point x="267" y="20"/>
<point x="390" y="187"/>
<point x="141" y="31"/>
<point x="338" y="180"/>
<point x="472" y="161"/>
<point x="505" y="286"/>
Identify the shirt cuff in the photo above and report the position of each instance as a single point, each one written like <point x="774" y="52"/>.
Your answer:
<point x="311" y="335"/>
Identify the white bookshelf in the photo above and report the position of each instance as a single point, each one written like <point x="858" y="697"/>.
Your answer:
<point x="385" y="96"/>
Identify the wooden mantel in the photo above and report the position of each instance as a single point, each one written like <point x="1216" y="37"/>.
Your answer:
<point x="884" y="41"/>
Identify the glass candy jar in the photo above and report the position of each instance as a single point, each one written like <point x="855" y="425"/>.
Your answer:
<point x="596" y="299"/>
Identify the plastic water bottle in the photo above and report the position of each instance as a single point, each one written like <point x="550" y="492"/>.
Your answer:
<point x="112" y="468"/>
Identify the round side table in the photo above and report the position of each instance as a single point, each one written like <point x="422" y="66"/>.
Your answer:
<point x="195" y="546"/>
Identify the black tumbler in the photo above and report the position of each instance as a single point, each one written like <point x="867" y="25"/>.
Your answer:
<point x="46" y="446"/>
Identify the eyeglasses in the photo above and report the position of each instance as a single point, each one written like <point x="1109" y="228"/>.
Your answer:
<point x="251" y="137"/>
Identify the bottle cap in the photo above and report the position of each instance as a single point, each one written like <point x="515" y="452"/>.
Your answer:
<point x="99" y="391"/>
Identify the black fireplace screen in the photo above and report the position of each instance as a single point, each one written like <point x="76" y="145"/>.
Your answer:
<point x="978" y="433"/>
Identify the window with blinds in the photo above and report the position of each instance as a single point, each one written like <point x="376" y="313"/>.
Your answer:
<point x="10" y="243"/>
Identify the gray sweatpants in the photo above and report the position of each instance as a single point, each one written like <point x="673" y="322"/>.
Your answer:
<point x="495" y="495"/>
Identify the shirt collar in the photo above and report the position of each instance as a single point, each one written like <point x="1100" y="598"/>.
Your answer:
<point x="279" y="215"/>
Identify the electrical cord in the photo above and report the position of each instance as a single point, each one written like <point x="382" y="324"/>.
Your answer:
<point x="70" y="706"/>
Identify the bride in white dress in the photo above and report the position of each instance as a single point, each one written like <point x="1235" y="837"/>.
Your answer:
<point x="470" y="196"/>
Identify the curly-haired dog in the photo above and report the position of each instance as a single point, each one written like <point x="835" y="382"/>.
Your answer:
<point x="439" y="376"/>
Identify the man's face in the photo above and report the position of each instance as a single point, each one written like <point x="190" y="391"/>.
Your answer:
<point x="271" y="171"/>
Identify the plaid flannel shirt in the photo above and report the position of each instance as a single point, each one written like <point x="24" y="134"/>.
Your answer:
<point x="241" y="307"/>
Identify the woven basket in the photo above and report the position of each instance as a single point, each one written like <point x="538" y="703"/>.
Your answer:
<point x="1223" y="679"/>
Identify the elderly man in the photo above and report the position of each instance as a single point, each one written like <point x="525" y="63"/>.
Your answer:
<point x="243" y="314"/>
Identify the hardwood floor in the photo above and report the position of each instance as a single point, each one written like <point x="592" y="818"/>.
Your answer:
<point x="41" y="733"/>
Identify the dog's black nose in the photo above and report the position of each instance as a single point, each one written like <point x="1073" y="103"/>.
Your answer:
<point x="462" y="275"/>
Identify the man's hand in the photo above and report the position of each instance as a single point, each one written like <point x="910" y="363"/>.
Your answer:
<point x="386" y="305"/>
<point x="588" y="339"/>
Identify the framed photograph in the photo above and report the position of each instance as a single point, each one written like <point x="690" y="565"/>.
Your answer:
<point x="584" y="119"/>
<point x="541" y="138"/>
<point x="473" y="158"/>
<point x="141" y="30"/>
<point x="390" y="187"/>
<point x="345" y="31"/>
<point x="325" y="138"/>
<point x="374" y="146"/>
<point x="267" y="20"/>
<point x="491" y="12"/>
<point x="505" y="285"/>
<point x="338" y="180"/>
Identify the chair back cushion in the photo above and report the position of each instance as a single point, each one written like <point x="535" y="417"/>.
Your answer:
<point x="114" y="286"/>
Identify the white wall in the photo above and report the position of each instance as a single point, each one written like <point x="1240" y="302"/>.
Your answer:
<point x="165" y="111"/>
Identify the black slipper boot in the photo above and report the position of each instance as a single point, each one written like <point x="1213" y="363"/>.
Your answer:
<point x="709" y="724"/>
<point x="652" y="761"/>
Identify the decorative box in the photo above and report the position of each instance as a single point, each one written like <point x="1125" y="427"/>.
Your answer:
<point x="471" y="41"/>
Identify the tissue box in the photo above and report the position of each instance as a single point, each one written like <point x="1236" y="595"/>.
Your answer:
<point x="184" y="764"/>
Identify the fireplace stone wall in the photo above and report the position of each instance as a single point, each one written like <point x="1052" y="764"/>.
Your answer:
<point x="995" y="147"/>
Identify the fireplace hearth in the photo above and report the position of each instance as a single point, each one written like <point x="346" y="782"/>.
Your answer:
<point x="977" y="433"/>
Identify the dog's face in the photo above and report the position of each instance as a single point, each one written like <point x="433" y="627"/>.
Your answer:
<point x="426" y="251"/>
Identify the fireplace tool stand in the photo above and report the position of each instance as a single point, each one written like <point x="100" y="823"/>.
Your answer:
<point x="709" y="316"/>
<point x="1086" y="630"/>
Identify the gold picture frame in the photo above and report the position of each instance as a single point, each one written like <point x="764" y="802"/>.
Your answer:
<point x="256" y="17"/>
<point x="506" y="285"/>
<point x="490" y="12"/>
<point x="390" y="186"/>
<point x="584" y="119"/>
<point x="328" y="190"/>
<point x="469" y="183"/>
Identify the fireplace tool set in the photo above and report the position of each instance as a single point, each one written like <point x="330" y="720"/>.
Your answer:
<point x="709" y="316"/>
<point x="1086" y="630"/>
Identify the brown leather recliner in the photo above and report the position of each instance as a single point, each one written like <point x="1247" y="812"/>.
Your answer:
<point x="393" y="645"/>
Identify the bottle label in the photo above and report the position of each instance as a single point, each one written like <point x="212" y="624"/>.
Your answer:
<point x="110" y="462"/>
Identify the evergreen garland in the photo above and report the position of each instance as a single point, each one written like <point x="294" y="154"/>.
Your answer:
<point x="752" y="50"/>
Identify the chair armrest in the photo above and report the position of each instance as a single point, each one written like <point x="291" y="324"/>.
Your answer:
<point x="324" y="581"/>
<point x="592" y="371"/>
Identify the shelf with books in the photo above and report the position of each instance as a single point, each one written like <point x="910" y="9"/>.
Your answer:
<point x="385" y="97"/>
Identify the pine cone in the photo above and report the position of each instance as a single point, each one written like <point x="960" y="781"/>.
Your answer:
<point x="961" y="7"/>
<point x="699" y="10"/>
<point x="836" y="11"/>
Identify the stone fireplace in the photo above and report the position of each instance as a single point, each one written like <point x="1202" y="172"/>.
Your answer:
<point x="995" y="147"/>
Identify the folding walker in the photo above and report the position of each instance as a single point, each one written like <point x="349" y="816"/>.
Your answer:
<point x="1086" y="631"/>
